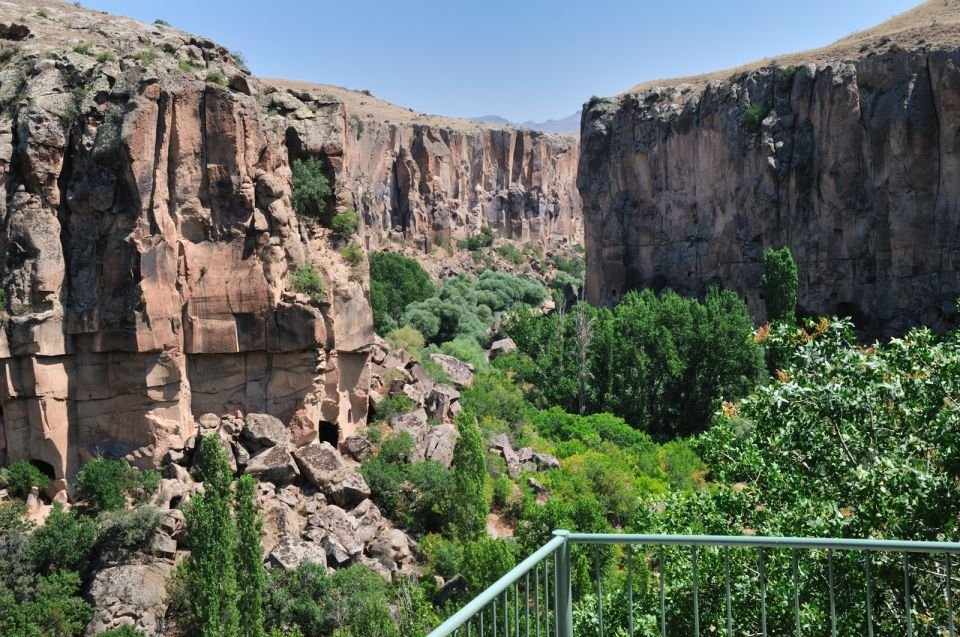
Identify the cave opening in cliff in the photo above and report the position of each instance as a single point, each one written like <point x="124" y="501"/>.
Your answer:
<point x="298" y="151"/>
<point x="45" y="467"/>
<point x="329" y="432"/>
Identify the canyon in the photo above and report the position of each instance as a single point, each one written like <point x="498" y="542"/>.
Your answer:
<point x="149" y="237"/>
<point x="848" y="155"/>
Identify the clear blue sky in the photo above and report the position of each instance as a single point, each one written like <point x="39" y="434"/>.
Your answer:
<point x="521" y="59"/>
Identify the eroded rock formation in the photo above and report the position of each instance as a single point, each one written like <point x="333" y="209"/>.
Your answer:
<point x="433" y="179"/>
<point x="855" y="165"/>
<point x="148" y="241"/>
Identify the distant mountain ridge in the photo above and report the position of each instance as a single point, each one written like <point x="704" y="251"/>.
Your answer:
<point x="569" y="124"/>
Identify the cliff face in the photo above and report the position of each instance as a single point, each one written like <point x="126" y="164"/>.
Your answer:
<point x="855" y="165"/>
<point x="427" y="179"/>
<point x="148" y="241"/>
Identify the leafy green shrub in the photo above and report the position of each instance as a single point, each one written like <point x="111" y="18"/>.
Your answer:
<point x="186" y="66"/>
<point x="352" y="254"/>
<point x="502" y="489"/>
<point x="357" y="123"/>
<point x="3" y="300"/>
<point x="161" y="23"/>
<point x="345" y="224"/>
<point x="147" y="56"/>
<point x="294" y="599"/>
<point x="124" y="631"/>
<point x="217" y="77"/>
<point x="510" y="252"/>
<point x="104" y="56"/>
<point x="466" y="350"/>
<point x="20" y="478"/>
<point x="395" y="282"/>
<point x="64" y="542"/>
<point x="786" y="77"/>
<point x="753" y="117"/>
<point x="82" y="49"/>
<point x="104" y="483"/>
<point x="780" y="284"/>
<point x="42" y="13"/>
<point x="49" y="605"/>
<point x="394" y="406"/>
<point x="477" y="241"/>
<point x="358" y="603"/>
<point x="485" y="561"/>
<point x="443" y="556"/>
<point x="310" y="187"/>
<point x="468" y="506"/>
<point x="306" y="280"/>
<point x="122" y="531"/>
<point x="406" y="337"/>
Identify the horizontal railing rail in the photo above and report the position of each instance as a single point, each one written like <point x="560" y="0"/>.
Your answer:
<point x="687" y="584"/>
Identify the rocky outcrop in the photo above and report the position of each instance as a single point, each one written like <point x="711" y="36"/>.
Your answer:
<point x="148" y="241"/>
<point x="429" y="179"/>
<point x="853" y="164"/>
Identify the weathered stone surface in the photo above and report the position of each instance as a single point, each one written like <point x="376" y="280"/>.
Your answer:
<point x="440" y="400"/>
<point x="337" y="534"/>
<point x="460" y="373"/>
<point x="358" y="447"/>
<point x="439" y="443"/>
<point x="854" y="167"/>
<point x="274" y="465"/>
<point x="291" y="552"/>
<point x="501" y="347"/>
<point x="133" y="594"/>
<point x="347" y="488"/>
<point x="262" y="430"/>
<point x="319" y="462"/>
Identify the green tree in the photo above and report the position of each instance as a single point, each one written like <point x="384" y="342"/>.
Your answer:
<point x="395" y="282"/>
<point x="485" y="561"/>
<point x="20" y="478"/>
<point x="104" y="483"/>
<point x="345" y="224"/>
<point x="468" y="506"/>
<point x="64" y="542"/>
<point x="780" y="284"/>
<point x="310" y="186"/>
<point x="211" y="571"/>
<point x="249" y="560"/>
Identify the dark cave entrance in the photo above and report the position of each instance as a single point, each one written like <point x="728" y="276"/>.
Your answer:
<point x="329" y="432"/>
<point x="45" y="467"/>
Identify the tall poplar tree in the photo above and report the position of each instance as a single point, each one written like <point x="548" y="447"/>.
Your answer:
<point x="468" y="497"/>
<point x="249" y="562"/>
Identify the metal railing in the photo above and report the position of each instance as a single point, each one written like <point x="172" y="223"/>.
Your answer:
<point x="716" y="585"/>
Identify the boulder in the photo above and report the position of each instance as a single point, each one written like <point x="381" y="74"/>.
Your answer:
<point x="357" y="447"/>
<point x="410" y="422"/>
<point x="291" y="552"/>
<point x="134" y="594"/>
<point x="337" y="533"/>
<point x="347" y="488"/>
<point x="393" y="545"/>
<point x="546" y="461"/>
<point x="319" y="462"/>
<point x="459" y="373"/>
<point x="439" y="444"/>
<point x="274" y="465"/>
<point x="439" y="401"/>
<point x="262" y="430"/>
<point x="370" y="522"/>
<point x="501" y="347"/>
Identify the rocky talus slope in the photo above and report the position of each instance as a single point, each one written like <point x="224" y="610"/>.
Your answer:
<point x="148" y="241"/>
<point x="427" y="179"/>
<point x="849" y="155"/>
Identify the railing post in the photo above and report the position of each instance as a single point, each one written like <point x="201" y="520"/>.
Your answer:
<point x="564" y="589"/>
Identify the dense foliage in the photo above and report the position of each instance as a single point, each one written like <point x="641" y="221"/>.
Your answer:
<point x="21" y="477"/>
<point x="395" y="282"/>
<point x="780" y="284"/>
<point x="311" y="188"/>
<point x="104" y="483"/>
<point x="661" y="363"/>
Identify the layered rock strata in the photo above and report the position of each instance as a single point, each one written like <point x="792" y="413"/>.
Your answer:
<point x="148" y="242"/>
<point x="853" y="164"/>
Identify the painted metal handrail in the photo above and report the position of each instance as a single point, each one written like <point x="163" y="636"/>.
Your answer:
<point x="527" y="608"/>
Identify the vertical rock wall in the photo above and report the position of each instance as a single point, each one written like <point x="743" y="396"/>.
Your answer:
<point x="855" y="166"/>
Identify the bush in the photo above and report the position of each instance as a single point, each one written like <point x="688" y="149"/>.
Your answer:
<point x="82" y="49"/>
<point x="394" y="405"/>
<point x="510" y="252"/>
<point x="123" y="531"/>
<point x="786" y="77"/>
<point x="161" y="23"/>
<point x="64" y="543"/>
<point x="20" y="478"/>
<point x="217" y="77"/>
<point x="502" y="489"/>
<point x="311" y="188"/>
<point x="485" y="561"/>
<point x="443" y="556"/>
<point x="477" y="241"/>
<point x="753" y="117"/>
<point x="186" y="66"/>
<point x="124" y="631"/>
<point x="306" y="280"/>
<point x="104" y="483"/>
<point x="104" y="56"/>
<point x="406" y="337"/>
<point x="395" y="282"/>
<point x="780" y="284"/>
<point x="352" y="254"/>
<point x="345" y="224"/>
<point x="147" y="56"/>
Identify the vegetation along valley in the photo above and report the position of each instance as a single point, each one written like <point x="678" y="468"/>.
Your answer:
<point x="283" y="358"/>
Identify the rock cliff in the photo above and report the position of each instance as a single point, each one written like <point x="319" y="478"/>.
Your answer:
<point x="849" y="155"/>
<point x="148" y="241"/>
<point x="430" y="179"/>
